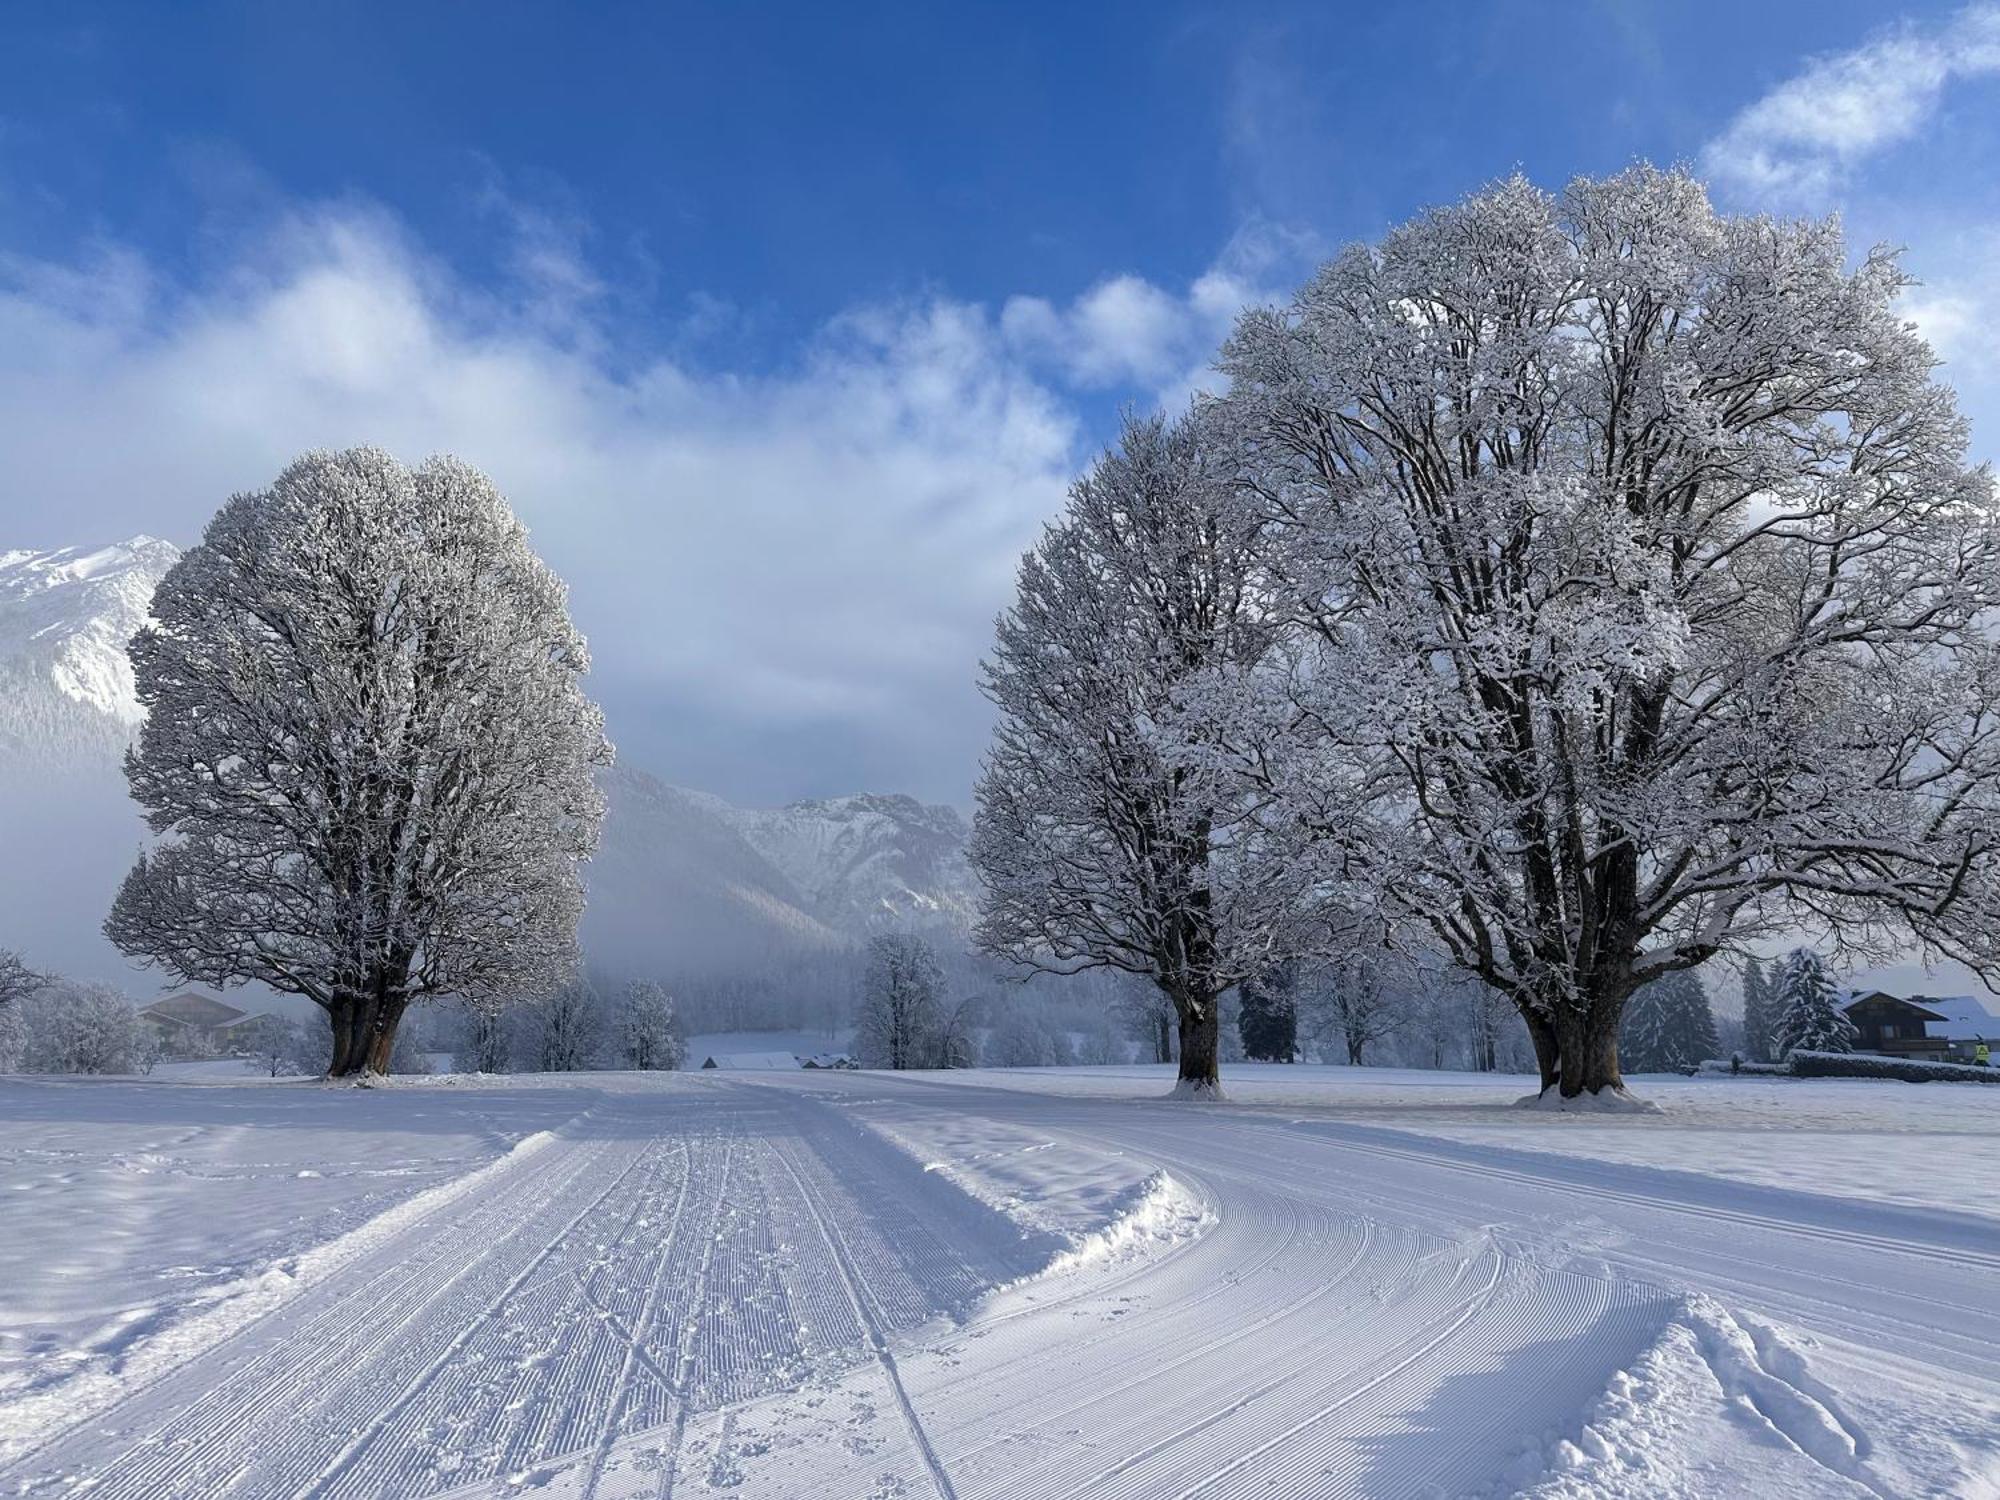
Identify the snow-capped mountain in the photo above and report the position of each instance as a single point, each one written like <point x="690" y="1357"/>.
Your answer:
<point x="66" y="696"/>
<point x="870" y="861"/>
<point x="686" y="881"/>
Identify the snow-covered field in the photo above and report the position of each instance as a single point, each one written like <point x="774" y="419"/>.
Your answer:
<point x="1044" y="1283"/>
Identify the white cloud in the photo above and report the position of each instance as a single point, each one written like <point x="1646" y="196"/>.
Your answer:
<point x="814" y="554"/>
<point x="1127" y="332"/>
<point x="1798" y="142"/>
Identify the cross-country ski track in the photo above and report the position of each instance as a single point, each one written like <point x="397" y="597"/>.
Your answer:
<point x="782" y="1286"/>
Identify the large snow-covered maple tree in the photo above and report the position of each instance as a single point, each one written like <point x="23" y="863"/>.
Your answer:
<point x="367" y="751"/>
<point x="1641" y="597"/>
<point x="1103" y="839"/>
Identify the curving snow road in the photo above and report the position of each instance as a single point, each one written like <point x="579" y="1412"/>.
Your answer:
<point x="756" y="1288"/>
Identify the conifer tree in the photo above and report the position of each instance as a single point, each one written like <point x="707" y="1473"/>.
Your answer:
<point x="1810" y="1018"/>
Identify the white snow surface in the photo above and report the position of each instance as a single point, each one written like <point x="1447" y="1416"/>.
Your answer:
<point x="1338" y="1282"/>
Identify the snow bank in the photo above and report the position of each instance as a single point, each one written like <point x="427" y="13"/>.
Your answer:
<point x="1162" y="1214"/>
<point x="1079" y="1206"/>
<point x="1720" y="1404"/>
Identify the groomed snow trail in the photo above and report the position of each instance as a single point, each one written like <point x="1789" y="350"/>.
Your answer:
<point x="671" y="1250"/>
<point x="773" y="1287"/>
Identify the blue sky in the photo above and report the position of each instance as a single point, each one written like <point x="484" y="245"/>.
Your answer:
<point x="784" y="327"/>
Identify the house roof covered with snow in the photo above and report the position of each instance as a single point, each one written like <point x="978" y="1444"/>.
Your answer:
<point x="192" y="1008"/>
<point x="751" y="1061"/>
<point x="1965" y="1017"/>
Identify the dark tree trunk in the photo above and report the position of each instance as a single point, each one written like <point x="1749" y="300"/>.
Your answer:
<point x="1577" y="1050"/>
<point x="1163" y="1039"/>
<point x="1354" y="1046"/>
<point x="1548" y="1055"/>
<point x="349" y="1046"/>
<point x="1589" y="1043"/>
<point x="1201" y="1036"/>
<point x="364" y="1027"/>
<point x="388" y="1016"/>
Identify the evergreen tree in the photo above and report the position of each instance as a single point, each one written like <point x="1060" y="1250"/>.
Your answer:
<point x="1268" y="1015"/>
<point x="1669" y="1026"/>
<point x="1759" y="1012"/>
<point x="1810" y="1017"/>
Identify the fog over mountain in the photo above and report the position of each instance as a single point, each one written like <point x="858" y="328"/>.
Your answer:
<point x="685" y="884"/>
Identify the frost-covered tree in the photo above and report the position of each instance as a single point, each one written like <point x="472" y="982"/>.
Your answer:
<point x="367" y="751"/>
<point x="1760" y="1012"/>
<point x="17" y="983"/>
<point x="1027" y="1035"/>
<point x="1147" y="1014"/>
<point x="1267" y="1017"/>
<point x="957" y="1036"/>
<point x="1811" y="1017"/>
<point x="568" y="1028"/>
<point x="1103" y="838"/>
<point x="269" y="1041"/>
<point x="1353" y="1004"/>
<point x="1668" y="1026"/>
<point x="1644" y="597"/>
<point x="17" y="980"/>
<point x="78" y="1026"/>
<point x="648" y="1031"/>
<point x="898" y="1021"/>
<point x="485" y="1040"/>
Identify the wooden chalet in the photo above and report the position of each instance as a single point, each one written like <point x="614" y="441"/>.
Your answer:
<point x="1896" y="1027"/>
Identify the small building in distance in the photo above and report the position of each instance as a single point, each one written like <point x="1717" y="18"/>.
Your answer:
<point x="191" y="1024"/>
<point x="752" y="1062"/>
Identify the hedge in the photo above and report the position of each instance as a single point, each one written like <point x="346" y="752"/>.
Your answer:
<point x="1865" y="1065"/>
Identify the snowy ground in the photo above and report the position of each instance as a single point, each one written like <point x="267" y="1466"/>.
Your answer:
<point x="995" y="1284"/>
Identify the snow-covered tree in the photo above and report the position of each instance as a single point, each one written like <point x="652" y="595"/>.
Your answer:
<point x="1811" y="1017"/>
<point x="1644" y="597"/>
<point x="1352" y="1004"/>
<point x="367" y="750"/>
<point x="1668" y="1026"/>
<point x="901" y="1005"/>
<point x="648" y="1031"/>
<point x="17" y="983"/>
<point x="485" y="1040"/>
<point x="1103" y="839"/>
<point x="17" y="980"/>
<point x="1027" y="1035"/>
<point x="957" y="1036"/>
<point x="78" y="1026"/>
<point x="1760" y="1012"/>
<point x="1267" y="1017"/>
<point x="1147" y="1014"/>
<point x="270" y="1042"/>
<point x="567" y="1028"/>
